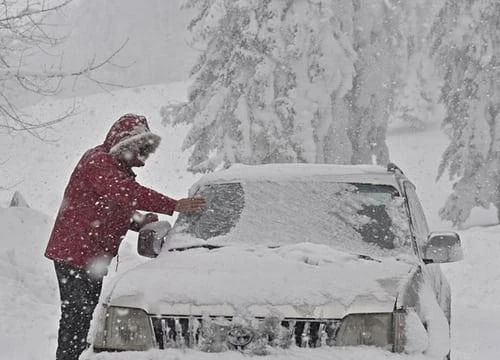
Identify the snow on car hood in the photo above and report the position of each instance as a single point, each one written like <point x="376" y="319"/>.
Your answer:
<point x="302" y="280"/>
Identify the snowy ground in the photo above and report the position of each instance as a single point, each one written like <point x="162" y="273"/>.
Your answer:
<point x="29" y="297"/>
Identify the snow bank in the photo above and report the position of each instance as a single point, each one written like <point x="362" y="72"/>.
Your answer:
<point x="28" y="292"/>
<point x="29" y="305"/>
<point x="292" y="354"/>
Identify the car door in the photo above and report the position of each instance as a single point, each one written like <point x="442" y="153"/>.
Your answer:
<point x="432" y="272"/>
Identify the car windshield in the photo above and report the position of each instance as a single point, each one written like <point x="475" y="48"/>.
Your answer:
<point x="365" y="219"/>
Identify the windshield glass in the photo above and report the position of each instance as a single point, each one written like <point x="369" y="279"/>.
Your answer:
<point x="364" y="219"/>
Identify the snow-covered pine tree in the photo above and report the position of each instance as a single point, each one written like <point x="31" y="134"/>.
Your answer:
<point x="378" y="42"/>
<point x="466" y="45"/>
<point x="229" y="105"/>
<point x="292" y="81"/>
<point x="320" y="55"/>
<point x="417" y="101"/>
<point x="270" y="84"/>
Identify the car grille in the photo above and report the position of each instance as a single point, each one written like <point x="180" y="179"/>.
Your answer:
<point x="198" y="332"/>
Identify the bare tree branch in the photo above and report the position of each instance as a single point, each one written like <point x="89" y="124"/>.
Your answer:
<point x="23" y="28"/>
<point x="10" y="72"/>
<point x="28" y="11"/>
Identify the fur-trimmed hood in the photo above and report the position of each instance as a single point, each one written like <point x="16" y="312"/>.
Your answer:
<point x="131" y="132"/>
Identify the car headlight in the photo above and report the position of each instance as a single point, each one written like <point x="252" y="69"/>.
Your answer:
<point x="366" y="329"/>
<point x="124" y="329"/>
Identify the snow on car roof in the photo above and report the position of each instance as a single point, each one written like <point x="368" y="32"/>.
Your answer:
<point x="287" y="172"/>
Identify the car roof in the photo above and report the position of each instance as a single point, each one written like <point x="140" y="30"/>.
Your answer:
<point x="369" y="174"/>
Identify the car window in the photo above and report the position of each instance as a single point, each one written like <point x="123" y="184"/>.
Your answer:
<point x="224" y="204"/>
<point x="362" y="218"/>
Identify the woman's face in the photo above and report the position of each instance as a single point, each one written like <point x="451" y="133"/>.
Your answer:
<point x="132" y="158"/>
<point x="135" y="153"/>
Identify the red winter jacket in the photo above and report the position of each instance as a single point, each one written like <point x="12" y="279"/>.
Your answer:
<point x="101" y="197"/>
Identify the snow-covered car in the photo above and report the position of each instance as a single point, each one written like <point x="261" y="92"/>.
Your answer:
<point x="293" y="255"/>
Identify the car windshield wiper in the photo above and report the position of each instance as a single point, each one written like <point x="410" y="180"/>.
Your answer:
<point x="207" y="246"/>
<point x="366" y="257"/>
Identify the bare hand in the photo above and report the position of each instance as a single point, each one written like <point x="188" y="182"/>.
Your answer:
<point x="189" y="205"/>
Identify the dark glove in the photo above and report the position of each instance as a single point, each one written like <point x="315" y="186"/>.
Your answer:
<point x="139" y="220"/>
<point x="149" y="218"/>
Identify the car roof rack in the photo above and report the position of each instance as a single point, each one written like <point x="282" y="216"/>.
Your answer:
<point x="391" y="167"/>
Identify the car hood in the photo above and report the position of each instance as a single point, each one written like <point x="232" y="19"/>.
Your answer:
<point x="299" y="281"/>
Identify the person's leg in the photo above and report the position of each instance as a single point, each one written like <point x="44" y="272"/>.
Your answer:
<point x="79" y="296"/>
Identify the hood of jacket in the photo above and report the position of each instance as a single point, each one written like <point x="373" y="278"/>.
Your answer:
<point x="131" y="135"/>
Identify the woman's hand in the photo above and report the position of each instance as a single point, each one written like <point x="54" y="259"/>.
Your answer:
<point x="190" y="205"/>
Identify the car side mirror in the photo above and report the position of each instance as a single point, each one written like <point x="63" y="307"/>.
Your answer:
<point x="443" y="247"/>
<point x="151" y="238"/>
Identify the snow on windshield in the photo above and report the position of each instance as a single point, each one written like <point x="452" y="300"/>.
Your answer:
<point x="359" y="218"/>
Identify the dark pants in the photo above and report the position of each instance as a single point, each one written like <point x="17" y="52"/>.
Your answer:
<point x="79" y="297"/>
